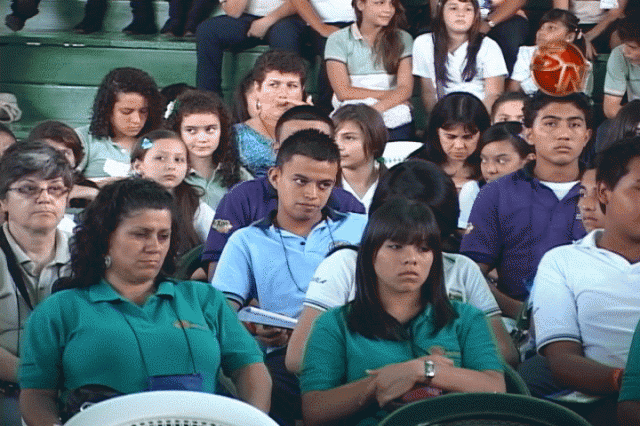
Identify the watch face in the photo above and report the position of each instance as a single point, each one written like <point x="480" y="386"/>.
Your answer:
<point x="429" y="369"/>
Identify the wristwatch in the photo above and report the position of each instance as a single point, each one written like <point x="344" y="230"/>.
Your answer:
<point x="429" y="369"/>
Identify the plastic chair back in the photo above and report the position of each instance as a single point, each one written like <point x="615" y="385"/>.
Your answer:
<point x="483" y="409"/>
<point x="171" y="408"/>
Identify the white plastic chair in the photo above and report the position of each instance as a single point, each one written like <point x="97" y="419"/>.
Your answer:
<point x="171" y="408"/>
<point x="397" y="152"/>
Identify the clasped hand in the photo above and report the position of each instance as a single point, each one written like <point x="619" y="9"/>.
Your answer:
<point x="394" y="380"/>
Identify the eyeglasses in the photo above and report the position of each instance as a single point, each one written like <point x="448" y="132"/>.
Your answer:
<point x="34" y="191"/>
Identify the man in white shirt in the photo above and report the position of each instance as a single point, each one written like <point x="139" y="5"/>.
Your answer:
<point x="586" y="296"/>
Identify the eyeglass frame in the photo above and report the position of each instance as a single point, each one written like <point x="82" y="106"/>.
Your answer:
<point x="38" y="193"/>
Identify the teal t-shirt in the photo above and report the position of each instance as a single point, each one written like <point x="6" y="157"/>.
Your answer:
<point x="213" y="187"/>
<point x="102" y="157"/>
<point x="336" y="356"/>
<point x="95" y="336"/>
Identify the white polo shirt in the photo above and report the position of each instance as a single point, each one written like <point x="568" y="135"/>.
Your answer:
<point x="489" y="63"/>
<point x="333" y="283"/>
<point x="586" y="294"/>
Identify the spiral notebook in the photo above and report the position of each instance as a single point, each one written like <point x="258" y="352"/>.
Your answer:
<point x="260" y="316"/>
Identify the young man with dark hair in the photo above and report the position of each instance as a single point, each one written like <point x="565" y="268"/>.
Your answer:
<point x="623" y="67"/>
<point x="302" y="117"/>
<point x="519" y="217"/>
<point x="253" y="200"/>
<point x="586" y="296"/>
<point x="273" y="260"/>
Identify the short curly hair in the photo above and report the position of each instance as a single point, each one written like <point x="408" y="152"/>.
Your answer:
<point x="125" y="80"/>
<point x="102" y="217"/>
<point x="282" y="61"/>
<point x="201" y="102"/>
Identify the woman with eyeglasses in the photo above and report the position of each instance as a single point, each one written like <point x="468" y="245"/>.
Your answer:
<point x="123" y="326"/>
<point x="35" y="180"/>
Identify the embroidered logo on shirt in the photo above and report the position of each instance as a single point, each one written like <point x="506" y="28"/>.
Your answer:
<point x="222" y="226"/>
<point x="469" y="228"/>
<point x="187" y="324"/>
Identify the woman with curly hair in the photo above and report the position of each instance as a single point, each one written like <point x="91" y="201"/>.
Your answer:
<point x="127" y="105"/>
<point x="145" y="331"/>
<point x="202" y="121"/>
<point x="279" y="82"/>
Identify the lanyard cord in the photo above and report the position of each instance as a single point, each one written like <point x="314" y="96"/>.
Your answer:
<point x="19" y="330"/>
<point x="135" y="335"/>
<point x="286" y="256"/>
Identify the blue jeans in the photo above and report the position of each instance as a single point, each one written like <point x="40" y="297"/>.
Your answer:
<point x="220" y="33"/>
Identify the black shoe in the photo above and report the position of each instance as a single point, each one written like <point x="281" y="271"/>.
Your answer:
<point x="15" y="23"/>
<point x="172" y="27"/>
<point x="137" y="28"/>
<point x="86" y="28"/>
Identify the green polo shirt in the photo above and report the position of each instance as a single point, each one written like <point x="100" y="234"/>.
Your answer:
<point x="95" y="336"/>
<point x="102" y="157"/>
<point x="212" y="187"/>
<point x="336" y="356"/>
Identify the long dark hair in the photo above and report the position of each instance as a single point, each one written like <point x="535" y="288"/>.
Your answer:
<point x="623" y="125"/>
<point x="425" y="182"/>
<point x="388" y="45"/>
<point x="187" y="197"/>
<point x="503" y="132"/>
<point x="101" y="218"/>
<point x="201" y="102"/>
<point x="405" y="222"/>
<point x="125" y="80"/>
<point x="441" y="46"/>
<point x="455" y="109"/>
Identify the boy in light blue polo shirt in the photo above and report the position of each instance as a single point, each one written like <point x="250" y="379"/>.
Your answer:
<point x="273" y="260"/>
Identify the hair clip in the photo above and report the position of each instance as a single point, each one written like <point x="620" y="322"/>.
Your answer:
<point x="146" y="143"/>
<point x="380" y="160"/>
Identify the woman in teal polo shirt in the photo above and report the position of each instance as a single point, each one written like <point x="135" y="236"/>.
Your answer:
<point x="400" y="337"/>
<point x="123" y="324"/>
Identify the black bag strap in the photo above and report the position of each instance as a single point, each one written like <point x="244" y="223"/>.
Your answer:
<point x="14" y="269"/>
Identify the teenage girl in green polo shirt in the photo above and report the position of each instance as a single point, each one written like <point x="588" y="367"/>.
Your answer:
<point x="401" y="336"/>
